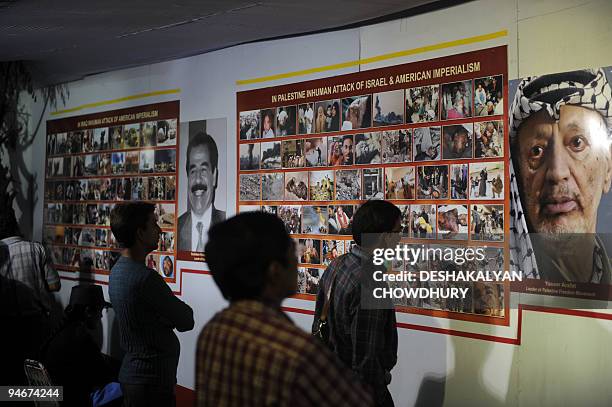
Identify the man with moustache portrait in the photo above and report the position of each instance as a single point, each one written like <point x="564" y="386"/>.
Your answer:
<point x="202" y="176"/>
<point x="561" y="168"/>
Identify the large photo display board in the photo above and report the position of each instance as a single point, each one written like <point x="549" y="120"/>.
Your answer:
<point x="428" y="136"/>
<point x="97" y="161"/>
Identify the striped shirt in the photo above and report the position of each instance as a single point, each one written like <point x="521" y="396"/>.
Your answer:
<point x="251" y="354"/>
<point x="147" y="312"/>
<point x="29" y="264"/>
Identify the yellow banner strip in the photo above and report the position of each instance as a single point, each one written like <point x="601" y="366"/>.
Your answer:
<point x="419" y="50"/>
<point x="119" y="100"/>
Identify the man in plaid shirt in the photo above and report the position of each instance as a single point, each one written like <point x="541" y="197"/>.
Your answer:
<point x="363" y="337"/>
<point x="251" y="354"/>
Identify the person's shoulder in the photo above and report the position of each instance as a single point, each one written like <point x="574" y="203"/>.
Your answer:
<point x="217" y="215"/>
<point x="184" y="218"/>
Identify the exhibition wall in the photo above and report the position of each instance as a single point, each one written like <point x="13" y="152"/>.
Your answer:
<point x="549" y="350"/>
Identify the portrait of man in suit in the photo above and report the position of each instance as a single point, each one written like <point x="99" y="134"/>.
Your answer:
<point x="202" y="177"/>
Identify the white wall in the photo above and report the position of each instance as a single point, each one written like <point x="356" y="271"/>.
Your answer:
<point x="561" y="359"/>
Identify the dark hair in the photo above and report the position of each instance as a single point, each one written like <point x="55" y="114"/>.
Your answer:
<point x="8" y="224"/>
<point x="460" y="130"/>
<point x="375" y="216"/>
<point x="206" y="140"/>
<point x="349" y="137"/>
<point x="240" y="250"/>
<point x="126" y="219"/>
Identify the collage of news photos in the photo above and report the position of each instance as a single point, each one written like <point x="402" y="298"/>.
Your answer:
<point x="436" y="151"/>
<point x="89" y="172"/>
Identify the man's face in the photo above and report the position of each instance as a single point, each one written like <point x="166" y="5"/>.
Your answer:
<point x="149" y="235"/>
<point x="267" y="123"/>
<point x="565" y="167"/>
<point x="202" y="180"/>
<point x="459" y="143"/>
<point x="347" y="149"/>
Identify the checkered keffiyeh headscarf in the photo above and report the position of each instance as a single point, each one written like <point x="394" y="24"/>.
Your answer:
<point x="586" y="88"/>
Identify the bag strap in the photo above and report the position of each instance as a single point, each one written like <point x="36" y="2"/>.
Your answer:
<point x="328" y="296"/>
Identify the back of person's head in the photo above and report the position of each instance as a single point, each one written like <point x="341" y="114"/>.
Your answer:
<point x="8" y="224"/>
<point x="86" y="303"/>
<point x="127" y="219"/>
<point x="240" y="251"/>
<point x="375" y="216"/>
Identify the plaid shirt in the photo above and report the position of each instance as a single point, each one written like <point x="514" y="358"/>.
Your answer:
<point x="364" y="339"/>
<point x="251" y="354"/>
<point x="30" y="265"/>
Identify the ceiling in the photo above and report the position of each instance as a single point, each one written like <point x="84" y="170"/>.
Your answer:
<point x="67" y="40"/>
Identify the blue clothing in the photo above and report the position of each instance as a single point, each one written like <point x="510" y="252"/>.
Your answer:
<point x="147" y="312"/>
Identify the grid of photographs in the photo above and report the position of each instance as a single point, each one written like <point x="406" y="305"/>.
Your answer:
<point x="89" y="171"/>
<point x="428" y="149"/>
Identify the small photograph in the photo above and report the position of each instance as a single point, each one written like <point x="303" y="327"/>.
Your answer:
<point x="78" y="166"/>
<point x="271" y="209"/>
<point x="296" y="186"/>
<point x="399" y="182"/>
<point x="432" y="182"/>
<point x="102" y="261"/>
<point x="327" y="116"/>
<point x="389" y="108"/>
<point x="165" y="213"/>
<point x="249" y="208"/>
<point x="453" y="222"/>
<point x="166" y="265"/>
<point x="166" y="132"/>
<point x="75" y="141"/>
<point x="315" y="152"/>
<point x="292" y="153"/>
<point x="493" y="259"/>
<point x="249" y="156"/>
<point x="118" y="163"/>
<point x="59" y="191"/>
<point x="165" y="160"/>
<point x="457" y="100"/>
<point x="427" y="143"/>
<point x="308" y="280"/>
<point x="70" y="190"/>
<point x="331" y="250"/>
<point x="314" y="220"/>
<point x="367" y="148"/>
<point x="131" y="162"/>
<point x="457" y="141"/>
<point x="160" y="188"/>
<point x="124" y="188"/>
<point x="309" y="251"/>
<point x="91" y="214"/>
<point x="57" y="166"/>
<point x="340" y="150"/>
<point x="49" y="235"/>
<point x="61" y="146"/>
<point x="67" y="213"/>
<point x="80" y="190"/>
<point x="356" y="112"/>
<point x="104" y="211"/>
<point x="321" y="185"/>
<point x="91" y="164"/>
<point x="57" y="254"/>
<point x="59" y="234"/>
<point x="166" y="242"/>
<point x="488" y="96"/>
<point x="152" y="261"/>
<point x="271" y="155"/>
<point x="249" y="125"/>
<point x="489" y="299"/>
<point x="268" y="123"/>
<point x="250" y="187"/>
<point x="131" y="135"/>
<point x="348" y="185"/>
<point x="305" y="118"/>
<point x="102" y="237"/>
<point x="285" y="121"/>
<point x="291" y="215"/>
<point x="140" y="189"/>
<point x="51" y="144"/>
<point x="340" y="219"/>
<point x="396" y="146"/>
<point x="406" y="225"/>
<point x="67" y="170"/>
<point x="88" y="237"/>
<point x="487" y="180"/>
<point x="349" y="245"/>
<point x="148" y="134"/>
<point x="489" y="139"/>
<point x="272" y="186"/>
<point x="116" y="136"/>
<point x="88" y="145"/>
<point x="459" y="181"/>
<point x="423" y="221"/>
<point x="68" y="254"/>
<point x="105" y="165"/>
<point x="78" y="215"/>
<point x="86" y="261"/>
<point x="147" y="161"/>
<point x="170" y="188"/>
<point x="422" y="104"/>
<point x="54" y="213"/>
<point x="101" y="140"/>
<point x="373" y="183"/>
<point x="487" y="223"/>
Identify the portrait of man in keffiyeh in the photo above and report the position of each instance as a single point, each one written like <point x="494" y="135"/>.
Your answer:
<point x="560" y="167"/>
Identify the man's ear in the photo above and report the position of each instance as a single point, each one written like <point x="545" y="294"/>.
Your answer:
<point x="608" y="174"/>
